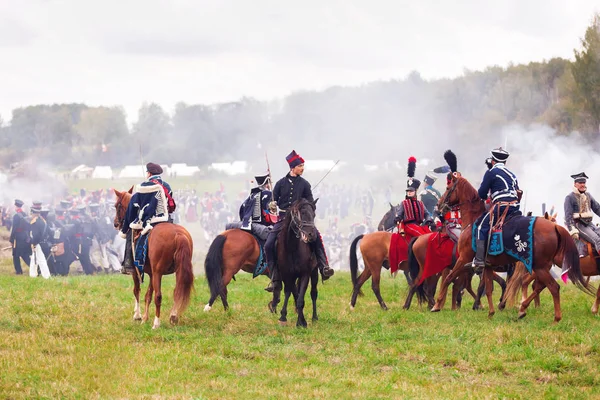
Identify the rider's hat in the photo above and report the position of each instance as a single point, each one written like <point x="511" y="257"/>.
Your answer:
<point x="293" y="159"/>
<point x="499" y="155"/>
<point x="154" y="169"/>
<point x="412" y="184"/>
<point x="262" y="179"/>
<point x="19" y="203"/>
<point x="429" y="178"/>
<point x="580" y="177"/>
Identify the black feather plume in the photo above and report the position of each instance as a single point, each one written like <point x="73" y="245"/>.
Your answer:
<point x="442" y="170"/>
<point x="412" y="166"/>
<point x="450" y="158"/>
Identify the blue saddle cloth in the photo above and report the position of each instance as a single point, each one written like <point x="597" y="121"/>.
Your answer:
<point x="261" y="263"/>
<point x="517" y="238"/>
<point x="141" y="252"/>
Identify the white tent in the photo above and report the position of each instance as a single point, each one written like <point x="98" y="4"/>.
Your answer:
<point x="182" y="170"/>
<point x="234" y="168"/>
<point x="81" y="171"/>
<point x="133" y="171"/>
<point x="102" y="172"/>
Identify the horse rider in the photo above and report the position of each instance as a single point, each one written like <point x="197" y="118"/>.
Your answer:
<point x="412" y="213"/>
<point x="255" y="209"/>
<point x="580" y="208"/>
<point x="505" y="197"/>
<point x="37" y="234"/>
<point x="289" y="189"/>
<point x="19" y="237"/>
<point x="430" y="195"/>
<point x="151" y="204"/>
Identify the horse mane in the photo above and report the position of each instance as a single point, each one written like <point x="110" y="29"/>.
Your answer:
<point x="471" y="195"/>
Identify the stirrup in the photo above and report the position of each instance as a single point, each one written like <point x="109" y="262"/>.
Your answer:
<point x="270" y="287"/>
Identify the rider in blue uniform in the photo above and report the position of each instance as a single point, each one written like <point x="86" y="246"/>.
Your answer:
<point x="505" y="194"/>
<point x="289" y="189"/>
<point x="255" y="209"/>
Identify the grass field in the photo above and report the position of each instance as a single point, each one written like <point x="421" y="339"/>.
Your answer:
<point x="74" y="337"/>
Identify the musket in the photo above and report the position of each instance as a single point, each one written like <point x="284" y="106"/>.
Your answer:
<point x="325" y="176"/>
<point x="269" y="173"/>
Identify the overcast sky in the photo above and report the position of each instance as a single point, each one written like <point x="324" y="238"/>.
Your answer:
<point x="126" y="52"/>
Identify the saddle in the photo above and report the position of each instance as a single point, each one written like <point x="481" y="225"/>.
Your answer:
<point x="586" y="249"/>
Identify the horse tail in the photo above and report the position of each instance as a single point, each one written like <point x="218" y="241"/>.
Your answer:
<point x="413" y="272"/>
<point x="515" y="283"/>
<point x="185" y="273"/>
<point x="213" y="266"/>
<point x="570" y="260"/>
<point x="354" y="261"/>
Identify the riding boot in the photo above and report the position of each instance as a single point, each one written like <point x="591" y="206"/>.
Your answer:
<point x="274" y="277"/>
<point x="128" y="267"/>
<point x="479" y="260"/>
<point x="326" y="271"/>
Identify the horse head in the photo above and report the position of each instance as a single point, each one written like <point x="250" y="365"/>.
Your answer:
<point x="388" y="221"/>
<point x="121" y="204"/>
<point x="460" y="193"/>
<point x="302" y="220"/>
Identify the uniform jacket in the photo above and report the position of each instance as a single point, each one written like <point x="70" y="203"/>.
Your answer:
<point x="289" y="189"/>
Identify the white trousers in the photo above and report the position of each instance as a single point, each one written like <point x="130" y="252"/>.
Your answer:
<point x="38" y="259"/>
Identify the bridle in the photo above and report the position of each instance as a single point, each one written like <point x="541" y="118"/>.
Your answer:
<point x="298" y="226"/>
<point x="119" y="207"/>
<point x="447" y="206"/>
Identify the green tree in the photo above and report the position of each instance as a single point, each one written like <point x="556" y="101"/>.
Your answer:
<point x="586" y="72"/>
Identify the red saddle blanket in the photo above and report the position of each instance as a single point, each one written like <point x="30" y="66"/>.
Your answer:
<point x="398" y="251"/>
<point x="439" y="255"/>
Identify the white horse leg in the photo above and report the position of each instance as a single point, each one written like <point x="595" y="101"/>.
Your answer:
<point x="137" y="315"/>
<point x="156" y="323"/>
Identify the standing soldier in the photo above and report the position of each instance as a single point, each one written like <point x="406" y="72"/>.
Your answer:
<point x="289" y="189"/>
<point x="19" y="238"/>
<point x="82" y="238"/>
<point x="38" y="232"/>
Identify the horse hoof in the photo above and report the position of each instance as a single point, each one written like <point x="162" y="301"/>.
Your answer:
<point x="384" y="307"/>
<point x="501" y="306"/>
<point x="435" y="309"/>
<point x="283" y="323"/>
<point x="315" y="319"/>
<point x="522" y="315"/>
<point x="594" y="311"/>
<point x="174" y="320"/>
<point x="491" y="314"/>
<point x="137" y="317"/>
<point x="156" y="323"/>
<point x="207" y="308"/>
<point x="271" y="308"/>
<point x="557" y="319"/>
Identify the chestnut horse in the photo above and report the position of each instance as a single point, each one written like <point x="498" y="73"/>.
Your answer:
<point x="552" y="243"/>
<point x="170" y="249"/>
<point x="230" y="252"/>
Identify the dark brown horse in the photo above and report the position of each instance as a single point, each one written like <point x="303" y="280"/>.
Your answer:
<point x="232" y="251"/>
<point x="170" y="249"/>
<point x="296" y="262"/>
<point x="552" y="243"/>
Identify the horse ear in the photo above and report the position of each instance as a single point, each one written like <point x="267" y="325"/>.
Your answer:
<point x="130" y="191"/>
<point x="530" y="213"/>
<point x="555" y="215"/>
<point x="315" y="202"/>
<point x="546" y="215"/>
<point x="117" y="193"/>
<point x="391" y="206"/>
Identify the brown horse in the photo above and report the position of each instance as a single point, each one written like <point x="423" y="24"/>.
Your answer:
<point x="232" y="251"/>
<point x="170" y="249"/>
<point x="552" y="243"/>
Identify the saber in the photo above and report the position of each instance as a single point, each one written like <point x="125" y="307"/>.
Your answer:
<point x="325" y="176"/>
<point x="269" y="173"/>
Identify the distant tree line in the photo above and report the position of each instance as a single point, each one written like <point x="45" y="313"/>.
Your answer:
<point x="369" y="121"/>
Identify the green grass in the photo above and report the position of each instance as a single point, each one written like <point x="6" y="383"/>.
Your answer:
<point x="74" y="337"/>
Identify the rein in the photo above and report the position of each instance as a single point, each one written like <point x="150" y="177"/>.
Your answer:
<point x="298" y="226"/>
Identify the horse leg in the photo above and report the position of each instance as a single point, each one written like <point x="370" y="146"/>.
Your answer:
<point x="148" y="300"/>
<point x="156" y="281"/>
<point x="411" y="292"/>
<point x="597" y="302"/>
<point x="375" y="286"/>
<point x="537" y="289"/>
<point x="276" y="297"/>
<point x="525" y="287"/>
<point x="489" y="289"/>
<point x="314" y="280"/>
<point x="469" y="287"/>
<point x="286" y="298"/>
<point x="364" y="276"/>
<point x="480" y="290"/>
<point x="554" y="288"/>
<point x="445" y="274"/>
<point x="301" y="322"/>
<point x="458" y="268"/>
<point x="137" y="316"/>
<point x="497" y="278"/>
